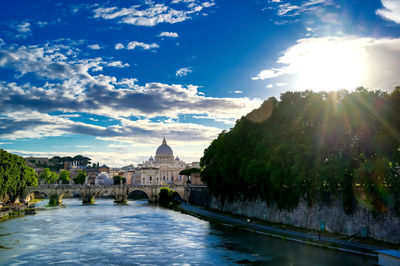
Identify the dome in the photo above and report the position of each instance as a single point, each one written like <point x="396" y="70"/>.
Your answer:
<point x="151" y="159"/>
<point x="164" y="149"/>
<point x="177" y="158"/>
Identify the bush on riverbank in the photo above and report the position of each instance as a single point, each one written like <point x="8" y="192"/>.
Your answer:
<point x="167" y="197"/>
<point x="313" y="145"/>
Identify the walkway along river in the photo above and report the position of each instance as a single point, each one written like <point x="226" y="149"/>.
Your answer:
<point x="142" y="233"/>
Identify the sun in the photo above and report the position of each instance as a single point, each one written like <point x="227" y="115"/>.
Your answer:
<point x="329" y="65"/>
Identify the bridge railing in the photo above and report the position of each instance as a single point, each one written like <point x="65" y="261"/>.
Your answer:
<point x="64" y="186"/>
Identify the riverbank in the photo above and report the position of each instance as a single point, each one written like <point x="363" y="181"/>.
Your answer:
<point x="15" y="210"/>
<point x="309" y="237"/>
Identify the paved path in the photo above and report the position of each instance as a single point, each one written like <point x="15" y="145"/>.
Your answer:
<point x="343" y="245"/>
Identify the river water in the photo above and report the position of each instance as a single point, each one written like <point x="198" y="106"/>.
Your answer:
<point x="141" y="233"/>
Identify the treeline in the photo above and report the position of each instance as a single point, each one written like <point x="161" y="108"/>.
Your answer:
<point x="50" y="177"/>
<point x="56" y="163"/>
<point x="314" y="145"/>
<point x="15" y="176"/>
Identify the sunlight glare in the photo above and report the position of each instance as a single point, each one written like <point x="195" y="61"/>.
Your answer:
<point x="330" y="65"/>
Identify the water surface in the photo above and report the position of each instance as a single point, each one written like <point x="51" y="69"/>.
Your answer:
<point x="141" y="233"/>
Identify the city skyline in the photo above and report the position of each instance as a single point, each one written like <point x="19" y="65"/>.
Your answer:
<point x="110" y="80"/>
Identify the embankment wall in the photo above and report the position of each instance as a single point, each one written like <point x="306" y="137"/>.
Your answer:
<point x="384" y="226"/>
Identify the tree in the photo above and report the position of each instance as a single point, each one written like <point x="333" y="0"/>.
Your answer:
<point x="118" y="179"/>
<point x="15" y="176"/>
<point x="80" y="178"/>
<point x="311" y="145"/>
<point x="82" y="160"/>
<point x="189" y="171"/>
<point x="64" y="176"/>
<point x="48" y="176"/>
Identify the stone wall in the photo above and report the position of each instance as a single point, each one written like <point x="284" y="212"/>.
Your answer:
<point x="384" y="226"/>
<point x="199" y="197"/>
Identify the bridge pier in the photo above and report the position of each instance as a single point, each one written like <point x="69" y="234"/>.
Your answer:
<point x="55" y="199"/>
<point x="121" y="199"/>
<point x="88" y="199"/>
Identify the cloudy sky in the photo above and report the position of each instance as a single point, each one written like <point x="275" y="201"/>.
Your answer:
<point x="110" y="79"/>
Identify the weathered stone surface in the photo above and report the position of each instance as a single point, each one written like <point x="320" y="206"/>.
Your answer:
<point x="385" y="226"/>
<point x="120" y="192"/>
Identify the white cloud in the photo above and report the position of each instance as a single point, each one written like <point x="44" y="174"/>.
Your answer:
<point x="151" y="14"/>
<point x="280" y="84"/>
<point x="269" y="73"/>
<point x="290" y="12"/>
<point x="339" y="63"/>
<point x="71" y="88"/>
<point x="269" y="86"/>
<point x="238" y="92"/>
<point x="119" y="46"/>
<point x="390" y="10"/>
<point x="24" y="27"/>
<point x="183" y="71"/>
<point x="132" y="45"/>
<point x="94" y="46"/>
<point x="182" y="1"/>
<point x="41" y="24"/>
<point x="168" y="34"/>
<point x="117" y="64"/>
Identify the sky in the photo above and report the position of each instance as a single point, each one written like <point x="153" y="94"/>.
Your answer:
<point x="110" y="79"/>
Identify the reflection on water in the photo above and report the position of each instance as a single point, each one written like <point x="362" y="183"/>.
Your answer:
<point x="140" y="233"/>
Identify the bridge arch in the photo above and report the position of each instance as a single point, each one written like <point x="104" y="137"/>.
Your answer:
<point x="143" y="192"/>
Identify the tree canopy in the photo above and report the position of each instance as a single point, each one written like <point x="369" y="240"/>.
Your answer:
<point x="312" y="145"/>
<point x="15" y="176"/>
<point x="64" y="176"/>
<point x="48" y="176"/>
<point x="189" y="171"/>
<point x="80" y="178"/>
<point x="118" y="179"/>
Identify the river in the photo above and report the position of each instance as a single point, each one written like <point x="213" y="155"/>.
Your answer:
<point x="142" y="233"/>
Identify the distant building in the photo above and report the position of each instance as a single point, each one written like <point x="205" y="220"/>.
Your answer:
<point x="33" y="161"/>
<point x="104" y="169"/>
<point x="195" y="179"/>
<point x="163" y="169"/>
<point x="129" y="176"/>
<point x="195" y="165"/>
<point x="104" y="179"/>
<point x="91" y="173"/>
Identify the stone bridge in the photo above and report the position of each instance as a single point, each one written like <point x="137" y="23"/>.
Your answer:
<point x="88" y="193"/>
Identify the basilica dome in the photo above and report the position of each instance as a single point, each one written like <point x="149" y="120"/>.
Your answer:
<point x="164" y="149"/>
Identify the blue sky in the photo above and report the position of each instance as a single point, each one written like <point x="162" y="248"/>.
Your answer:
<point x="110" y="79"/>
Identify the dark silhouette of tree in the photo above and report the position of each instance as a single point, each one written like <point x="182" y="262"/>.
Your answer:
<point x="311" y="145"/>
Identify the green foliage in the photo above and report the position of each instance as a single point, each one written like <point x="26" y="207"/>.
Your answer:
<point x="64" y="176"/>
<point x="80" y="178"/>
<point x="48" y="176"/>
<point x="189" y="171"/>
<point x="56" y="163"/>
<point x="311" y="145"/>
<point x="15" y="176"/>
<point x="167" y="196"/>
<point x="118" y="179"/>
